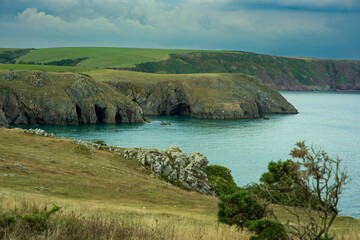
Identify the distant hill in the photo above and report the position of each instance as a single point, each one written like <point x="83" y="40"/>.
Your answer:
<point x="281" y="73"/>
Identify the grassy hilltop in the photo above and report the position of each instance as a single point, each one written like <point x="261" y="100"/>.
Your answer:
<point x="102" y="193"/>
<point x="99" y="57"/>
<point x="281" y="73"/>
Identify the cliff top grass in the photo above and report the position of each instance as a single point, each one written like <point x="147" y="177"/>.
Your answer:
<point x="103" y="185"/>
<point x="69" y="171"/>
<point x="209" y="87"/>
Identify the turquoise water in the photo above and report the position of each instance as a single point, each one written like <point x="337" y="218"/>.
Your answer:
<point x="328" y="119"/>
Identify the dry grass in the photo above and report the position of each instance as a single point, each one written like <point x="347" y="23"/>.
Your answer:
<point x="106" y="196"/>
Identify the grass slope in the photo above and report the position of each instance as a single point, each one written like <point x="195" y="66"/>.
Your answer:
<point x="100" y="57"/>
<point x="103" y="187"/>
<point x="46" y="68"/>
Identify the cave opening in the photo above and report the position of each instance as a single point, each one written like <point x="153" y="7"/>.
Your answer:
<point x="78" y="114"/>
<point x="100" y="113"/>
<point x="260" y="108"/>
<point x="118" y="118"/>
<point x="181" y="109"/>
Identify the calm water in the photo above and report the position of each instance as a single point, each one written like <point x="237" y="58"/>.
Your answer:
<point x="331" y="120"/>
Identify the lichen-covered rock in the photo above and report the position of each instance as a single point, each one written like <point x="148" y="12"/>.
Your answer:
<point x="187" y="169"/>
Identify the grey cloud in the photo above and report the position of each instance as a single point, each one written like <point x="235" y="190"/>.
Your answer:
<point x="183" y="24"/>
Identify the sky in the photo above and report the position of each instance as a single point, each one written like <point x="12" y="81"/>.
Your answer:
<point x="305" y="28"/>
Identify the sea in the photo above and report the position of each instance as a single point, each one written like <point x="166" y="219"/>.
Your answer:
<point x="326" y="120"/>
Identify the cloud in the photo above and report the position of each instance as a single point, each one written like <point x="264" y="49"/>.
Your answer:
<point x="322" y="5"/>
<point x="34" y="19"/>
<point x="205" y="24"/>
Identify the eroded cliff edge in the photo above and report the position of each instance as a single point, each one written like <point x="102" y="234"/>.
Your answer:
<point x="37" y="97"/>
<point x="216" y="96"/>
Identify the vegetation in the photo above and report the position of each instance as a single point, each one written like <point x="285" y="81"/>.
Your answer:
<point x="100" y="193"/>
<point x="9" y="55"/>
<point x="46" y="68"/>
<point x="283" y="72"/>
<point x="221" y="180"/>
<point x="63" y="62"/>
<point x="99" y="57"/>
<point x="82" y="150"/>
<point x="240" y="208"/>
<point x="266" y="230"/>
<point x="30" y="224"/>
<point x="341" y="79"/>
<point x="100" y="142"/>
<point x="104" y="196"/>
<point x="277" y="72"/>
<point x="312" y="186"/>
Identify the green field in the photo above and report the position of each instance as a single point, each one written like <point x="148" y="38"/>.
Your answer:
<point x="100" y="57"/>
<point x="46" y="68"/>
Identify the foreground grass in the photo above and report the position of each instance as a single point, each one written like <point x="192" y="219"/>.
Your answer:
<point x="104" y="196"/>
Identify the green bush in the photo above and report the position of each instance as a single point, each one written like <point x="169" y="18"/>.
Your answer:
<point x="6" y="220"/>
<point x="38" y="221"/>
<point x="82" y="150"/>
<point x="99" y="141"/>
<point x="266" y="230"/>
<point x="282" y="174"/>
<point x="238" y="208"/>
<point x="221" y="180"/>
<point x="32" y="223"/>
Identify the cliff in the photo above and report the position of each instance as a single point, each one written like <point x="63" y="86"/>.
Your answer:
<point x="108" y="96"/>
<point x="281" y="73"/>
<point x="37" y="97"/>
<point x="217" y="96"/>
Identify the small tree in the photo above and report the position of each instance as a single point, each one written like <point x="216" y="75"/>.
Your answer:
<point x="317" y="180"/>
<point x="238" y="208"/>
<point x="221" y="180"/>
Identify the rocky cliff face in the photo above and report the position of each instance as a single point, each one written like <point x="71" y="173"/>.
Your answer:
<point x="36" y="97"/>
<point x="217" y="96"/>
<point x="281" y="73"/>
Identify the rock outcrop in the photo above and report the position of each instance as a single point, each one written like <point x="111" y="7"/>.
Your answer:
<point x="216" y="96"/>
<point x="186" y="170"/>
<point x="37" y="97"/>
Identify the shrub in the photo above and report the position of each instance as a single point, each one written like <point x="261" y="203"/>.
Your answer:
<point x="266" y="230"/>
<point x="238" y="208"/>
<point x="82" y="150"/>
<point x="99" y="141"/>
<point x="35" y="222"/>
<point x="221" y="180"/>
<point x="314" y="183"/>
<point x="38" y="221"/>
<point x="282" y="174"/>
<point x="6" y="220"/>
